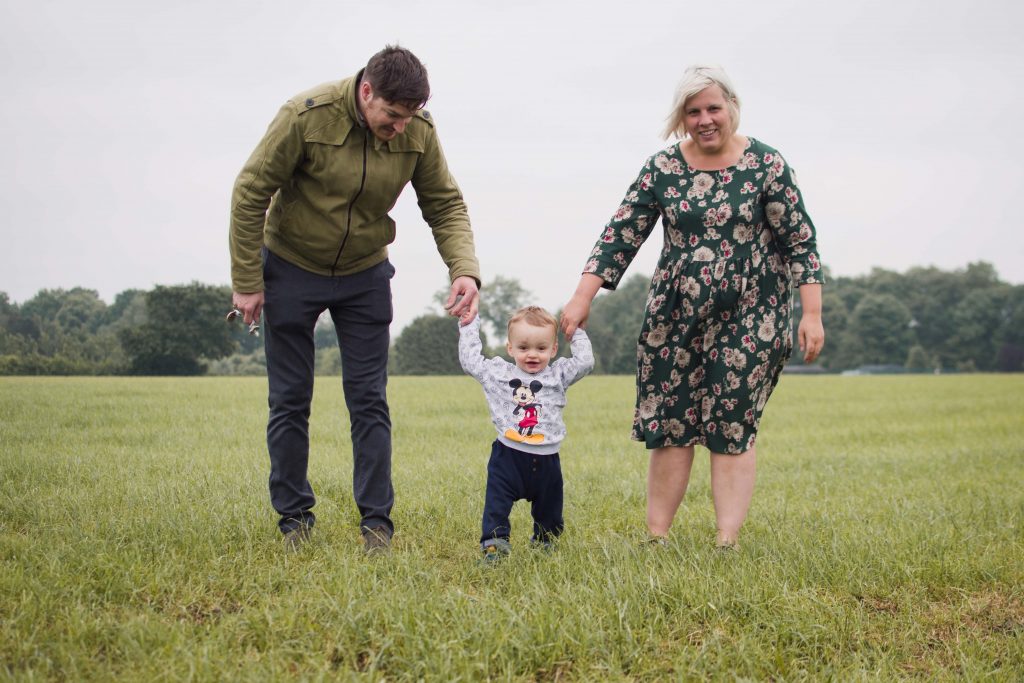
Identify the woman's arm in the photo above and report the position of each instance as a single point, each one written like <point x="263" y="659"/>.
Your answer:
<point x="792" y="228"/>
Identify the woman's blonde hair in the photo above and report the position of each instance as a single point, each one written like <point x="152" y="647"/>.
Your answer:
<point x="695" y="79"/>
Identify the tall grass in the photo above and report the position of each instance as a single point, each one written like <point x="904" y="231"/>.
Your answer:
<point x="137" y="541"/>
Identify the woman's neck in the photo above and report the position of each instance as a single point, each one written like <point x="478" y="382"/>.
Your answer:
<point x="729" y="155"/>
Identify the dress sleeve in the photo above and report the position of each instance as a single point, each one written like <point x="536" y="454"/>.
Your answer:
<point x="626" y="231"/>
<point x="792" y="227"/>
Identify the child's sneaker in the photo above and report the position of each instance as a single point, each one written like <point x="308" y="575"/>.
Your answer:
<point x="495" y="550"/>
<point x="543" y="546"/>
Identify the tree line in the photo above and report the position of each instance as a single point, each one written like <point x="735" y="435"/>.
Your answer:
<point x="924" y="319"/>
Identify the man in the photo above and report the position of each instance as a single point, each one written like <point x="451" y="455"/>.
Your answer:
<point x="330" y="167"/>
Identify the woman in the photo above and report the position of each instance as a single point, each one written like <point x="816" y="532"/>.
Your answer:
<point x="716" y="329"/>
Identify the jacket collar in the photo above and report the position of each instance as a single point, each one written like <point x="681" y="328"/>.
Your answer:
<point x="354" y="117"/>
<point x="338" y="130"/>
<point x="350" y="91"/>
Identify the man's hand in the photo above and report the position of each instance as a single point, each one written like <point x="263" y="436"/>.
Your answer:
<point x="251" y="305"/>
<point x="463" y="300"/>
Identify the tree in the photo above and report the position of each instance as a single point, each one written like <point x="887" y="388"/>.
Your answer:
<point x="918" y="359"/>
<point x="81" y="311"/>
<point x="128" y="309"/>
<point x="614" y="326"/>
<point x="835" y="316"/>
<point x="429" y="345"/>
<point x="67" y="325"/>
<point x="185" y="325"/>
<point x="931" y="294"/>
<point x="10" y="343"/>
<point x="977" y="320"/>
<point x="44" y="305"/>
<point x="1010" y="338"/>
<point x="879" y="331"/>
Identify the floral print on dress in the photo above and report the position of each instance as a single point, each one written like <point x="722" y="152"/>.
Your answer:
<point x="717" y="324"/>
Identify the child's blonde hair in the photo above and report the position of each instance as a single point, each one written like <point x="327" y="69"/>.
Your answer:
<point x="533" y="315"/>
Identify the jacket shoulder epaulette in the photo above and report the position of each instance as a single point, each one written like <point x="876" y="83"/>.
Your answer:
<point x="317" y="96"/>
<point x="426" y="116"/>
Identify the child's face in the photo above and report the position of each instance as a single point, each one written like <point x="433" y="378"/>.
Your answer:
<point x="532" y="347"/>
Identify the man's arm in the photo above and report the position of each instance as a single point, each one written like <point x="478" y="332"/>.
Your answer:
<point x="268" y="168"/>
<point x="444" y="210"/>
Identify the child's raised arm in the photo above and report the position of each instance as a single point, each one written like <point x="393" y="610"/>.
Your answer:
<point x="471" y="349"/>
<point x="576" y="368"/>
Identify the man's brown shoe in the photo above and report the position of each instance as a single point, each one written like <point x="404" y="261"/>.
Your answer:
<point x="376" y="540"/>
<point x="296" y="538"/>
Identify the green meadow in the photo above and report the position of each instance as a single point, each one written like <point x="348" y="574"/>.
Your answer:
<point x="137" y="541"/>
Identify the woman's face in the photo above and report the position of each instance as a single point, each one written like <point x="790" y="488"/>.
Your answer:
<point x="707" y="120"/>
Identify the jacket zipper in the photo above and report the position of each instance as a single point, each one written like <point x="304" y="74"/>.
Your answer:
<point x="351" y="204"/>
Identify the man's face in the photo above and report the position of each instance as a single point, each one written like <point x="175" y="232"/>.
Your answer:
<point x="385" y="119"/>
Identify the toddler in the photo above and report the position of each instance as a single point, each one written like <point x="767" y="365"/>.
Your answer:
<point x="526" y="401"/>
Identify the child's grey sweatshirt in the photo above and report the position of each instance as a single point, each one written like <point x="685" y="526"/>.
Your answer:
<point x="526" y="409"/>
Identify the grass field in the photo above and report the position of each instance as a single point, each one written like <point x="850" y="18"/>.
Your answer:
<point x="137" y="541"/>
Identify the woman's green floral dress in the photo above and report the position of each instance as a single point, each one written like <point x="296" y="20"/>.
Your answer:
<point x="717" y="328"/>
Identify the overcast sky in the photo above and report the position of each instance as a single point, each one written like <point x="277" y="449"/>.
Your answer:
<point x="125" y="124"/>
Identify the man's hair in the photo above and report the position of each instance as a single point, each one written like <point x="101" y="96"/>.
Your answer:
<point x="533" y="315"/>
<point x="398" y="76"/>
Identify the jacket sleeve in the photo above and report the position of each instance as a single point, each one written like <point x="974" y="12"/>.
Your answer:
<point x="268" y="168"/>
<point x="627" y="230"/>
<point x="471" y="355"/>
<point x="792" y="227"/>
<point x="444" y="210"/>
<point x="573" y="369"/>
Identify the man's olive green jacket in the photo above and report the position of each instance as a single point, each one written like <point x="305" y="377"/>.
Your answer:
<point x="329" y="183"/>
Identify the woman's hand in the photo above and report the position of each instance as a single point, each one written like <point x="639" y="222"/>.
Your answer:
<point x="811" y="334"/>
<point x="577" y="311"/>
<point x="575" y="314"/>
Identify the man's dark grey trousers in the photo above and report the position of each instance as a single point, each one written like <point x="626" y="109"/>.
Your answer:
<point x="360" y="306"/>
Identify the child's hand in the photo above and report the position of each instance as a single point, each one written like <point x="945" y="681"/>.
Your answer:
<point x="466" y="318"/>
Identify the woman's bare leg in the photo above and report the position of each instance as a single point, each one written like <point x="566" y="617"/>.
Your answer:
<point x="667" y="477"/>
<point x="732" y="487"/>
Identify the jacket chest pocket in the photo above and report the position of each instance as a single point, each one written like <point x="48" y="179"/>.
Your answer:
<point x="337" y="168"/>
<point x="387" y="174"/>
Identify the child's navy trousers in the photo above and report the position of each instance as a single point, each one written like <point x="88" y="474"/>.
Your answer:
<point x="513" y="475"/>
